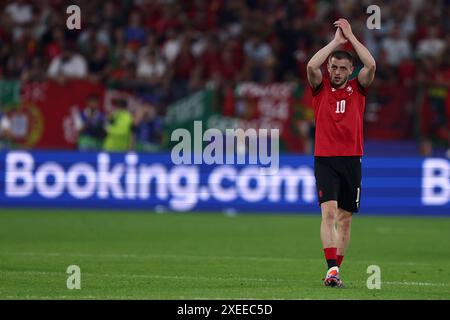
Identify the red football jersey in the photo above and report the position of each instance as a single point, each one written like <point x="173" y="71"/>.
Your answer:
<point x="339" y="119"/>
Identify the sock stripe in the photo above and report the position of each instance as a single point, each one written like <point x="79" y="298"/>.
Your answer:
<point x="339" y="260"/>
<point x="331" y="257"/>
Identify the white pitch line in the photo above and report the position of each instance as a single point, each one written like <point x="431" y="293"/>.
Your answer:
<point x="78" y="297"/>
<point x="149" y="276"/>
<point x="155" y="276"/>
<point x="168" y="256"/>
<point x="74" y="297"/>
<point x="400" y="283"/>
<point x="187" y="257"/>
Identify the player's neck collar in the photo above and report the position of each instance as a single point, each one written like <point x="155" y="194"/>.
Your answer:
<point x="340" y="87"/>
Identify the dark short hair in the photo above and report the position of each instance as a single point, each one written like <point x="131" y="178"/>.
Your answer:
<point x="341" y="54"/>
<point x="120" y="103"/>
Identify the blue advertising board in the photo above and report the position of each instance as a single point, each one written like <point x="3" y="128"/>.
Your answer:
<point x="44" y="179"/>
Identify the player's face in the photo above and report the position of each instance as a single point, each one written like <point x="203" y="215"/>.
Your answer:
<point x="340" y="70"/>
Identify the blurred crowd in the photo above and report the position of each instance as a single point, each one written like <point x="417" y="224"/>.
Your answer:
<point x="171" y="48"/>
<point x="118" y="129"/>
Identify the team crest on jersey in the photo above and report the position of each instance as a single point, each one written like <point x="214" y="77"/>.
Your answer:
<point x="349" y="90"/>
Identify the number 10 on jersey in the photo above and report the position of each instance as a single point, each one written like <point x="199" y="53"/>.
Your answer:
<point x="340" y="106"/>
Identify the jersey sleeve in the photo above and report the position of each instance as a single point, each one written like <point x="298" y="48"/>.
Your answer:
<point x="360" y="87"/>
<point x="315" y="91"/>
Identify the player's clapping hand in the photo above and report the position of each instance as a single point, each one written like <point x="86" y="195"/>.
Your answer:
<point x="339" y="37"/>
<point x="344" y="25"/>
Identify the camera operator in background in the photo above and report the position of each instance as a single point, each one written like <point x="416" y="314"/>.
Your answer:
<point x="118" y="127"/>
<point x="147" y="129"/>
<point x="90" y="126"/>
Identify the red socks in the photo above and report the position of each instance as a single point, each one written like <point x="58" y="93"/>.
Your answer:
<point x="330" y="253"/>
<point x="339" y="260"/>
<point x="331" y="257"/>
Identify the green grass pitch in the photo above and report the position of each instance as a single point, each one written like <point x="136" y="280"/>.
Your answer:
<point x="137" y="255"/>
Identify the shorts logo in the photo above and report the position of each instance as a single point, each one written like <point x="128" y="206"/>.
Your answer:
<point x="320" y="193"/>
<point x="357" y="196"/>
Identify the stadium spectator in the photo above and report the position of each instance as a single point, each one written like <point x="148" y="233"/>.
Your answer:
<point x="68" y="65"/>
<point x="98" y="63"/>
<point x="432" y="45"/>
<point x="259" y="56"/>
<point x="151" y="67"/>
<point x="118" y="128"/>
<point x="229" y="67"/>
<point x="147" y="129"/>
<point x="168" y="18"/>
<point x="210" y="57"/>
<point x="183" y="76"/>
<point x="396" y="47"/>
<point x="21" y="13"/>
<point x="434" y="117"/>
<point x="135" y="33"/>
<point x="53" y="42"/>
<point x="90" y="124"/>
<point x="5" y="130"/>
<point x="171" y="46"/>
<point x="111" y="15"/>
<point x="199" y="43"/>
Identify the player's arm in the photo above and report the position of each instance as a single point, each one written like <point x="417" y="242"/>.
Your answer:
<point x="367" y="73"/>
<point x="313" y="68"/>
